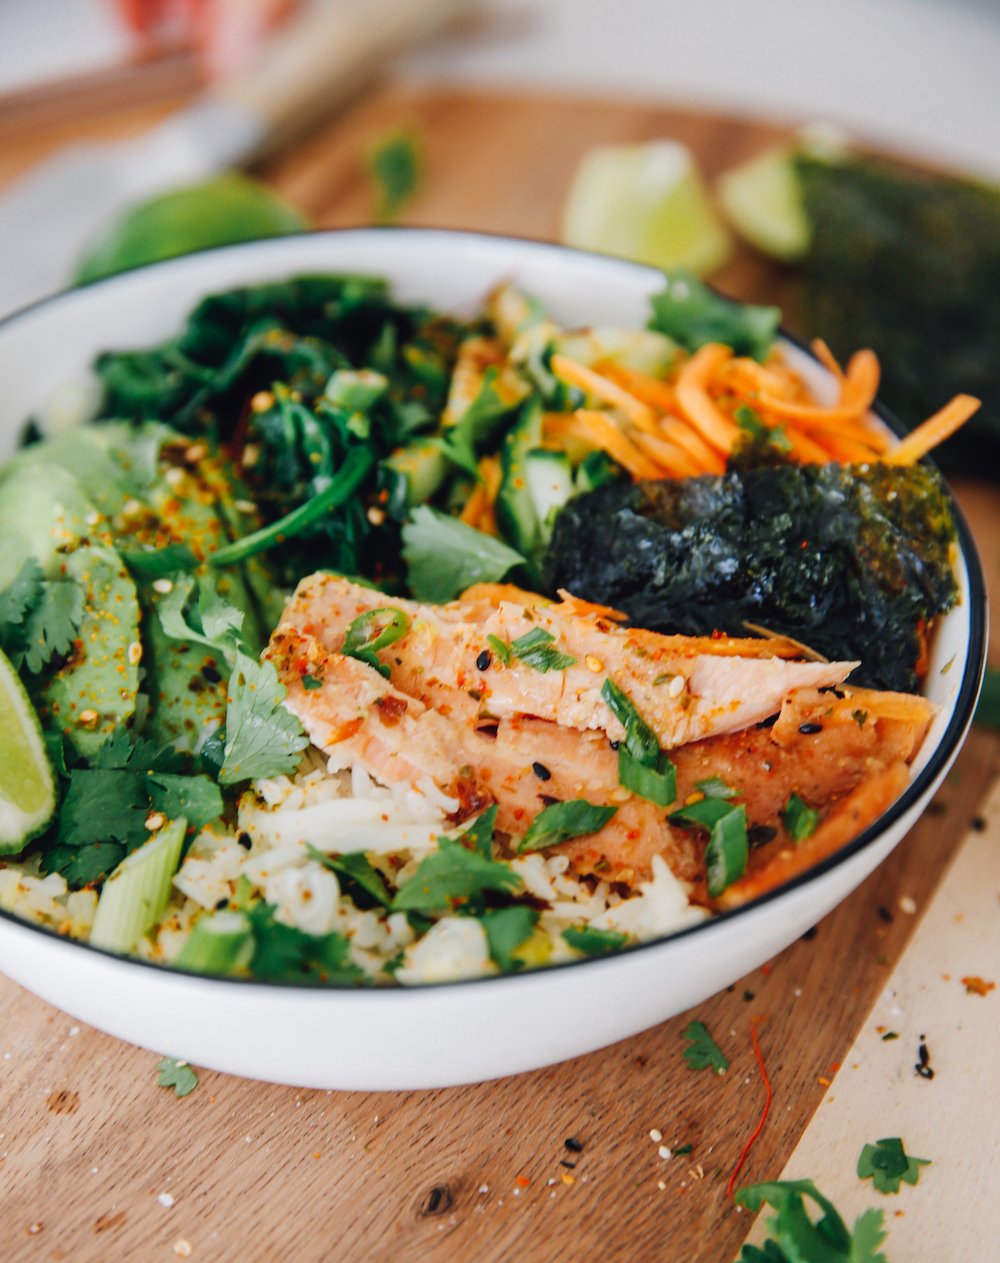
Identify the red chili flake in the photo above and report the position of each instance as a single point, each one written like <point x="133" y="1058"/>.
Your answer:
<point x="766" y="970"/>
<point x="823" y="1081"/>
<point x="522" y="1181"/>
<point x="764" y="1113"/>
<point x="975" y="985"/>
<point x="804" y="544"/>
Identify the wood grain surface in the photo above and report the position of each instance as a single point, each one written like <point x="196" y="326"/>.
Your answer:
<point x="98" y="1163"/>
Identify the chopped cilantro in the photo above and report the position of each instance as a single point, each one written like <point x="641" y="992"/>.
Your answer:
<point x="208" y="620"/>
<point x="704" y="1053"/>
<point x="177" y="1075"/>
<point x="283" y="952"/>
<point x="39" y="618"/>
<point x="507" y="929"/>
<point x="800" y="821"/>
<point x="593" y="942"/>
<point x="197" y="798"/>
<point x="450" y="876"/>
<point x="394" y="163"/>
<point x="693" y="314"/>
<point x="445" y="556"/>
<point x="311" y="682"/>
<point x="535" y="650"/>
<point x="728" y="845"/>
<point x="479" y="835"/>
<point x="887" y="1164"/>
<point x="262" y="737"/>
<point x="359" y="879"/>
<point x="562" y="821"/>
<point x="793" y="1235"/>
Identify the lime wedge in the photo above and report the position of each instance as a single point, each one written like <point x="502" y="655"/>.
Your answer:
<point x="219" y="212"/>
<point x="27" y="790"/>
<point x="763" y="201"/>
<point x="645" y="202"/>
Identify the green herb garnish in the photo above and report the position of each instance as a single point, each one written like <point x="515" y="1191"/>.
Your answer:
<point x="642" y="765"/>
<point x="562" y="821"/>
<point x="375" y="629"/>
<point x="395" y="164"/>
<point x="593" y="942"/>
<point x="177" y="1075"/>
<point x="39" y="618"/>
<point x="500" y="648"/>
<point x="450" y="877"/>
<point x="507" y="929"/>
<point x="360" y="879"/>
<point x="793" y="1235"/>
<point x="704" y="1053"/>
<point x="535" y="650"/>
<point x="728" y="847"/>
<point x="887" y="1164"/>
<point x="799" y="820"/>
<point x="262" y="737"/>
<point x="693" y="315"/>
<point x="445" y="556"/>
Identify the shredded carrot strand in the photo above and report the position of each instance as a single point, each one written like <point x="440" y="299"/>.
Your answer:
<point x="859" y="384"/>
<point x="827" y="358"/>
<point x="696" y="403"/>
<point x="763" y="1118"/>
<point x="933" y="431"/>
<point x="676" y="431"/>
<point x="844" y="447"/>
<point x="805" y="448"/>
<point x="603" y="433"/>
<point x="575" y="374"/>
<point x="647" y="389"/>
<point x="675" y="460"/>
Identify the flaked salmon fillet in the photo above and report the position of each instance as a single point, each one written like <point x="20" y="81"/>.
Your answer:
<point x="446" y="659"/>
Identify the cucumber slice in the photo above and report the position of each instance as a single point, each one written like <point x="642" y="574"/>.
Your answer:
<point x="27" y="787"/>
<point x="136" y="894"/>
<point x="219" y="944"/>
<point x="413" y="474"/>
<point x="549" y="476"/>
<point x="42" y="509"/>
<point x="517" y="517"/>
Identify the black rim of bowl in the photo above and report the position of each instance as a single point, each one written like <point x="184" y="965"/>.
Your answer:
<point x="946" y="750"/>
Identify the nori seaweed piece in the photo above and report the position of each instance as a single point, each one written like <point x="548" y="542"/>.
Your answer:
<point x="908" y="264"/>
<point x="848" y="559"/>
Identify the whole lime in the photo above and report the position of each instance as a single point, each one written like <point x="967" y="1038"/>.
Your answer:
<point x="220" y="212"/>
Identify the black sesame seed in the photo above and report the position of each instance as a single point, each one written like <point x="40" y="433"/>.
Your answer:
<point x="484" y="660"/>
<point x="761" y="834"/>
<point x="979" y="824"/>
<point x="245" y="840"/>
<point x="570" y="1166"/>
<point x="885" y="914"/>
<point x="211" y="675"/>
<point x="809" y="730"/>
<point x="573" y="1145"/>
<point x="541" y="771"/>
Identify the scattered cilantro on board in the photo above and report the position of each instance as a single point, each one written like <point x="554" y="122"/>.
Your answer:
<point x="795" y="1237"/>
<point x="177" y="1075"/>
<point x="887" y="1164"/>
<point x="704" y="1053"/>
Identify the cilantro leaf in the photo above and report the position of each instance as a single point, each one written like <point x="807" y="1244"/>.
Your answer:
<point x="197" y="798"/>
<point x="887" y="1164"/>
<point x="795" y="1237"/>
<point x="800" y="821"/>
<point x="728" y="846"/>
<point x="103" y="805"/>
<point x="535" y="650"/>
<point x="262" y="737"/>
<point x="479" y="835"/>
<point x="39" y="618"/>
<point x="284" y="952"/>
<point x="506" y="930"/>
<point x="445" y="556"/>
<point x="562" y="821"/>
<point x="157" y="563"/>
<point x="704" y="1052"/>
<point x="395" y="165"/>
<point x="177" y="1075"/>
<point x="593" y="942"/>
<point x="358" y="877"/>
<point x="450" y="876"/>
<point x="208" y="620"/>
<point x="83" y="865"/>
<point x="693" y="314"/>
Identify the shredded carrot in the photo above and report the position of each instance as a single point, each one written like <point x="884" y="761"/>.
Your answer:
<point x="844" y="447"/>
<point x="683" y="435"/>
<point x="575" y="374"/>
<point x="827" y="358"/>
<point x="696" y="403"/>
<point x="859" y="384"/>
<point x="674" y="459"/>
<point x="605" y="434"/>
<point x="933" y="431"/>
<point x="763" y="1118"/>
<point x="805" y="448"/>
<point x="746" y="375"/>
<point x="649" y="390"/>
<point x="474" y="506"/>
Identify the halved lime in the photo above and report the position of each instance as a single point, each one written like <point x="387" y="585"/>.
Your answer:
<point x="763" y="201"/>
<point x="645" y="202"/>
<point x="27" y="788"/>
<point x="220" y="212"/>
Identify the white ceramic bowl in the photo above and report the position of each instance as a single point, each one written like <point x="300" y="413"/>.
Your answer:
<point x="458" y="1032"/>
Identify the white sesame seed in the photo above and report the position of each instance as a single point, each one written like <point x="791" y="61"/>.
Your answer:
<point x="182" y="1248"/>
<point x="676" y="686"/>
<point x="656" y="1135"/>
<point x="907" y="905"/>
<point x="165" y="1200"/>
<point x="163" y="586"/>
<point x="664" y="1152"/>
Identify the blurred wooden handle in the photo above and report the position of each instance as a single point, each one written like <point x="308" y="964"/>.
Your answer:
<point x="324" y="57"/>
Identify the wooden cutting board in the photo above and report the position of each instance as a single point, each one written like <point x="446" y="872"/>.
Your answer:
<point x="98" y="1163"/>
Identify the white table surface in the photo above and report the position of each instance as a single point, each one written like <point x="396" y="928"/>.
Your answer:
<point x="920" y="75"/>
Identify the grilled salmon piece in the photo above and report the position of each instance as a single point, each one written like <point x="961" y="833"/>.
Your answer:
<point x="682" y="691"/>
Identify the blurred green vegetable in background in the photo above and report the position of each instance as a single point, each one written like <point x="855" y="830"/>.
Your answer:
<point x="222" y="211"/>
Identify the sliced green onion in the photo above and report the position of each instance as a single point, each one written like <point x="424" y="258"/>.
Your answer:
<point x="135" y="895"/>
<point x="642" y="742"/>
<point x="562" y="821"/>
<point x="388" y="624"/>
<point x="535" y="650"/>
<point x="655" y="784"/>
<point x="219" y="944"/>
<point x="799" y="819"/>
<point x="728" y="846"/>
<point x="500" y="648"/>
<point x="346" y="481"/>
